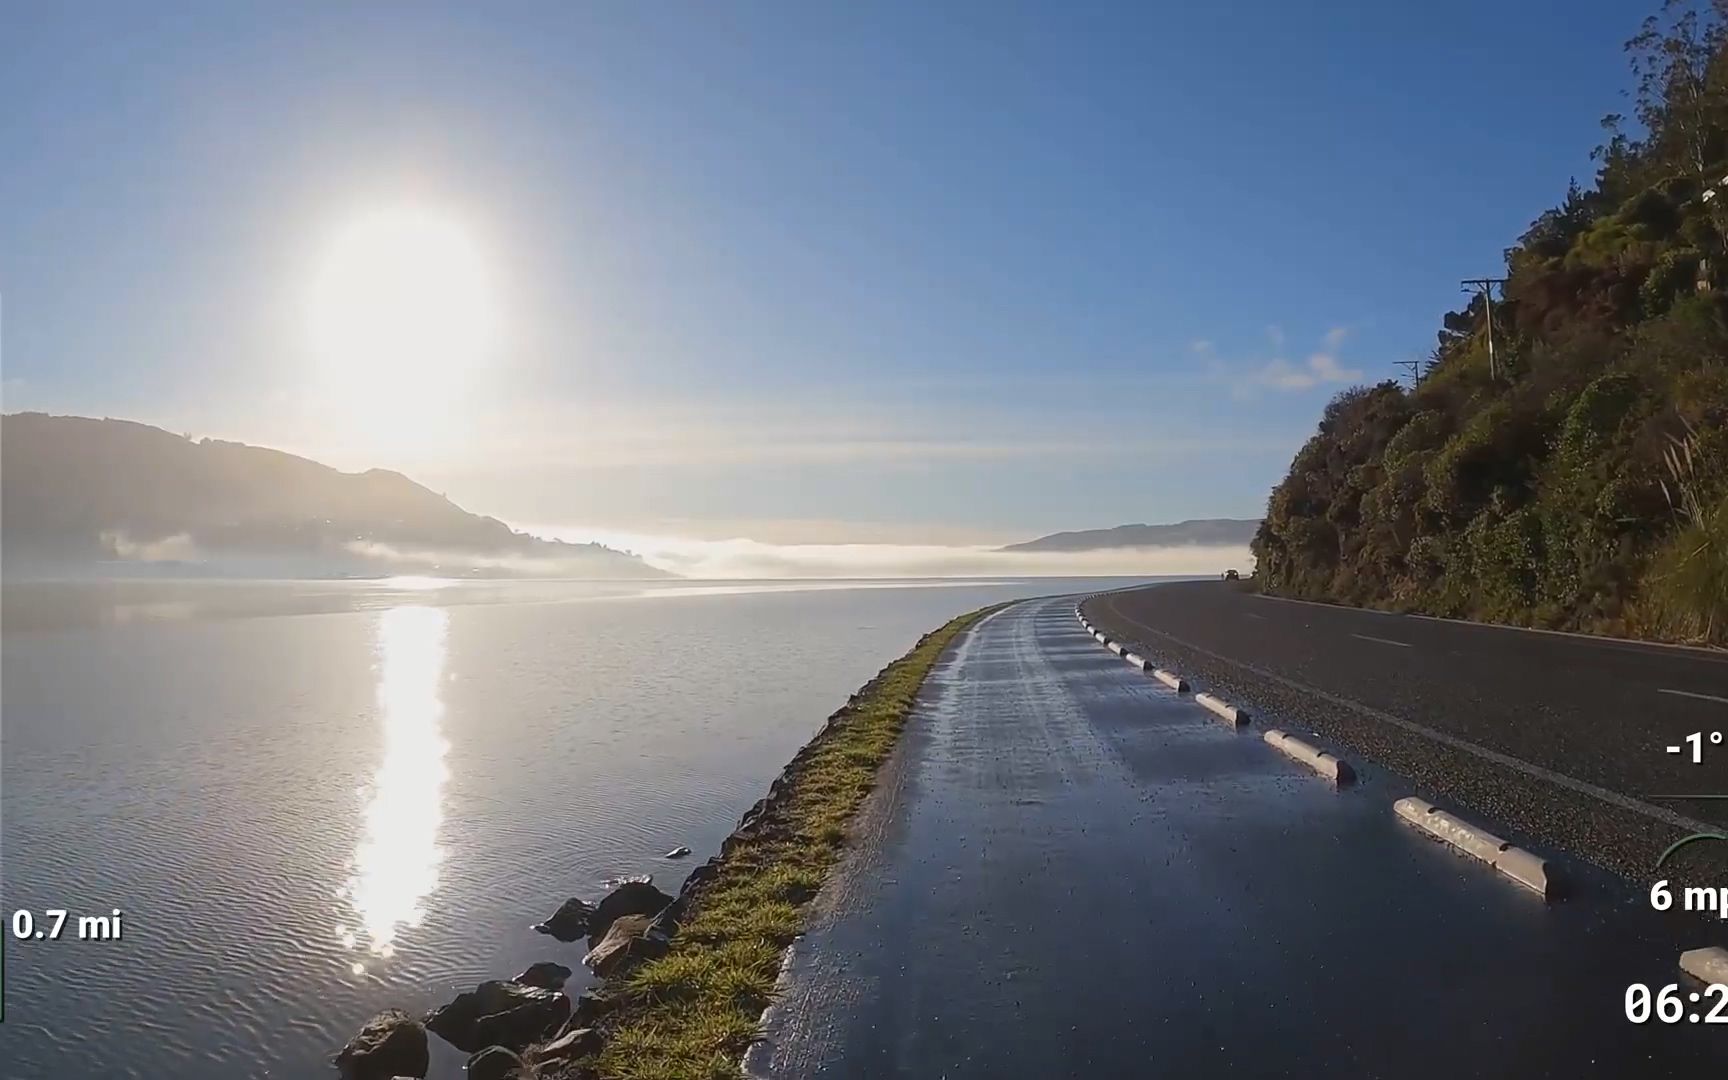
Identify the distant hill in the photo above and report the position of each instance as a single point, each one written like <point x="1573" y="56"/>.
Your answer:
<point x="1204" y="532"/>
<point x="80" y="494"/>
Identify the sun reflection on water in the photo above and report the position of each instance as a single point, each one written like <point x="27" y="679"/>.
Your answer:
<point x="397" y="859"/>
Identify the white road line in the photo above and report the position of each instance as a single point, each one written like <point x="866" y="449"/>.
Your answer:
<point x="1581" y="787"/>
<point x="1699" y="652"/>
<point x="1383" y="641"/>
<point x="1690" y="694"/>
<point x="1346" y="608"/>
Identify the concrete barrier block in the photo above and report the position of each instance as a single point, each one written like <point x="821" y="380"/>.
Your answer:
<point x="1527" y="869"/>
<point x="1329" y="766"/>
<point x="1465" y="836"/>
<point x="1460" y="834"/>
<point x="1117" y="648"/>
<point x="1135" y="659"/>
<point x="1412" y="808"/>
<point x="1171" y="679"/>
<point x="1230" y="713"/>
<point x="1708" y="965"/>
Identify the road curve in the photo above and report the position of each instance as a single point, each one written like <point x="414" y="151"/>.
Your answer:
<point x="1071" y="870"/>
<point x="1562" y="738"/>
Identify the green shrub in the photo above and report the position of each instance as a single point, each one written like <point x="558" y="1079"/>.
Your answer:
<point x="1688" y="580"/>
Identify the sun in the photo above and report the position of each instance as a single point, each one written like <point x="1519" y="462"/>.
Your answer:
<point x="403" y="318"/>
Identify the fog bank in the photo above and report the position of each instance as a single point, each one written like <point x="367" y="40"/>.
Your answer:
<point x="745" y="558"/>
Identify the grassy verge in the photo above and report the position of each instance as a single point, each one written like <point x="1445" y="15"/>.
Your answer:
<point x="693" y="1013"/>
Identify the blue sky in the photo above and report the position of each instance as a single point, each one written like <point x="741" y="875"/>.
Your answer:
<point x="912" y="273"/>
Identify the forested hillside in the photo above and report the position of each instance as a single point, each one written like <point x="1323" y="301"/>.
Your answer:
<point x="1580" y="479"/>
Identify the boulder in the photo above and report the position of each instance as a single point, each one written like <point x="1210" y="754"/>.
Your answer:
<point x="572" y="1046"/>
<point x="546" y="975"/>
<point x="668" y="920"/>
<point x="494" y="1063"/>
<point x="630" y="898"/>
<point x="701" y="876"/>
<point x="528" y="1023"/>
<point x="587" y="1013"/>
<point x="630" y="940"/>
<point x="498" y="1013"/>
<point x="570" y="921"/>
<point x="391" y="1044"/>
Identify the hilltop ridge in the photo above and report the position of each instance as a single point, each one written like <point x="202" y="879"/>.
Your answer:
<point x="1197" y="532"/>
<point x="80" y="493"/>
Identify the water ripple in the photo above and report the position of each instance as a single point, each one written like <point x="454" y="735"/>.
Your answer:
<point x="434" y="778"/>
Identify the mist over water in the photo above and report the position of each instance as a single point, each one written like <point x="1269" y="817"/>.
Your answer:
<point x="738" y="558"/>
<point x="749" y="558"/>
<point x="316" y="800"/>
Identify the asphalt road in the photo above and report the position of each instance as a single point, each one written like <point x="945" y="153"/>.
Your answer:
<point x="1071" y="871"/>
<point x="1561" y="738"/>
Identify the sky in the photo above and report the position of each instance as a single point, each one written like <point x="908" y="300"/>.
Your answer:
<point x="801" y="273"/>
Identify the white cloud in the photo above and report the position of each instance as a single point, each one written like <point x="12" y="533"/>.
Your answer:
<point x="1322" y="368"/>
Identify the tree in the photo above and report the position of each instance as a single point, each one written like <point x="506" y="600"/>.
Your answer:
<point x="1681" y="101"/>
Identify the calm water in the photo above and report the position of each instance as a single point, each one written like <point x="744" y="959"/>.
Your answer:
<point x="312" y="801"/>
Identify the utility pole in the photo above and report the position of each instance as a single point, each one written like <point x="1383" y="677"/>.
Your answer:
<point x="1706" y="272"/>
<point x="1486" y="287"/>
<point x="1413" y="368"/>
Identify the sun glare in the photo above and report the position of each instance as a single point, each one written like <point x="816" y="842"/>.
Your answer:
<point x="403" y="316"/>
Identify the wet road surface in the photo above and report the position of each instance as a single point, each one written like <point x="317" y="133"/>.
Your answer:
<point x="1069" y="870"/>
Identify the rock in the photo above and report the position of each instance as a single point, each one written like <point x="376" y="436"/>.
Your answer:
<point x="570" y="921"/>
<point x="525" y="1024"/>
<point x="701" y="876"/>
<point x="498" y="1013"/>
<point x="630" y="898"/>
<point x="668" y="920"/>
<point x="391" y="1044"/>
<point x="630" y="940"/>
<point x="546" y="975"/>
<point x="493" y="1063"/>
<point x="587" y="1013"/>
<point x="569" y="1047"/>
<point x="678" y="852"/>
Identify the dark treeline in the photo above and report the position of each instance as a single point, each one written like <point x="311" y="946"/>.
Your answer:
<point x="1579" y="481"/>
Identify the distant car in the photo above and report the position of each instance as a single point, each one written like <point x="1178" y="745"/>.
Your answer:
<point x="1231" y="575"/>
